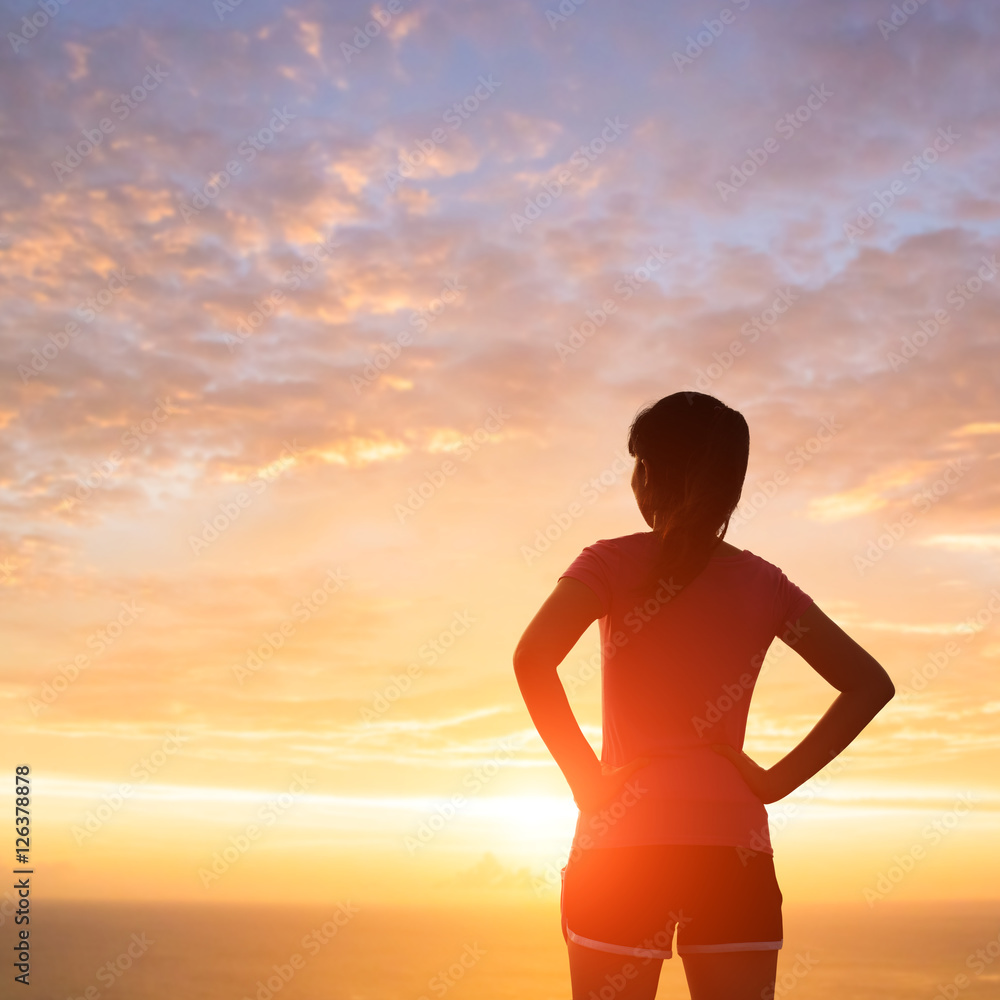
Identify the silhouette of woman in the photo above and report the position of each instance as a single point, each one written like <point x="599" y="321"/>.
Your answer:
<point x="672" y="832"/>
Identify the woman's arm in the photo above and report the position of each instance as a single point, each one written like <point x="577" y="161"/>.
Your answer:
<point x="566" y="614"/>
<point x="864" y="686"/>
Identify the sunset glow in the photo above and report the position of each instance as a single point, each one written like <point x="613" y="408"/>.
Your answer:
<point x="319" y="365"/>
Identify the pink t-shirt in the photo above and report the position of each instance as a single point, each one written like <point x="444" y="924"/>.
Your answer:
<point x="677" y="675"/>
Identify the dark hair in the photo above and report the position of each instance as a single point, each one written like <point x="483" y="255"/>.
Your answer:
<point x="697" y="450"/>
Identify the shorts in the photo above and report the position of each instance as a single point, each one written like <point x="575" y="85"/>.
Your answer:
<point x="628" y="900"/>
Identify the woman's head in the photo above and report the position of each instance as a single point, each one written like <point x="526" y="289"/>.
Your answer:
<point x="691" y="454"/>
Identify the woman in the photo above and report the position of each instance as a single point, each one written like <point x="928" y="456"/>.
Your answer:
<point x="672" y="832"/>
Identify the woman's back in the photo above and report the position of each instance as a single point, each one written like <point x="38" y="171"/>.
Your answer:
<point x="678" y="671"/>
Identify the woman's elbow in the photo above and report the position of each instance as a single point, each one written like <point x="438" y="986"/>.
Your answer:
<point x="882" y="689"/>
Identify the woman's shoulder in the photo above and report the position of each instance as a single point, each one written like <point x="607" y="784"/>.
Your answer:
<point x="637" y="543"/>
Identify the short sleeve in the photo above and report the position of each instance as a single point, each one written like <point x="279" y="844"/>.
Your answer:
<point x="596" y="566"/>
<point x="789" y="602"/>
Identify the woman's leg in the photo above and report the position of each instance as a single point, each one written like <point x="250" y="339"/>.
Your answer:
<point x="621" y="977"/>
<point x="731" y="975"/>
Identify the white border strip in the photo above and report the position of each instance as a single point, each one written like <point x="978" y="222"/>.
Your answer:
<point x="705" y="949"/>
<point x="618" y="949"/>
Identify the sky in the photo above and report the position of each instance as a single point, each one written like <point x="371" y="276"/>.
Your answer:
<point x="322" y="329"/>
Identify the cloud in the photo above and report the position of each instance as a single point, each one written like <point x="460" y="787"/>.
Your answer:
<point x="257" y="336"/>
